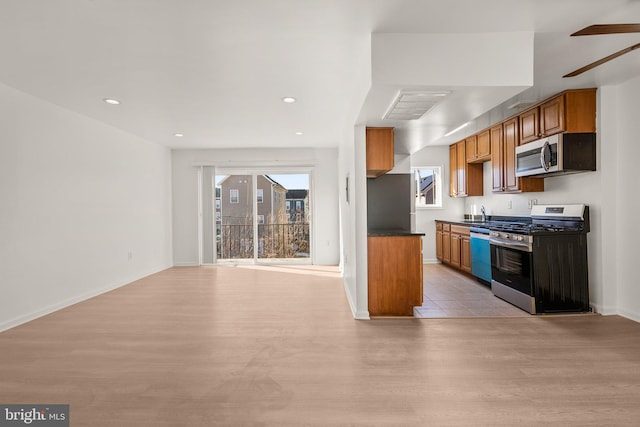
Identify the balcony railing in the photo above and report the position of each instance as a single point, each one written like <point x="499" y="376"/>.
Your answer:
<point x="289" y="240"/>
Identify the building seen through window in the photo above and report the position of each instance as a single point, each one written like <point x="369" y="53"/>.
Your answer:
<point x="427" y="186"/>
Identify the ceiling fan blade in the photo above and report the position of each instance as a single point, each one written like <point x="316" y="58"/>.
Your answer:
<point x="608" y="29"/>
<point x="602" y="61"/>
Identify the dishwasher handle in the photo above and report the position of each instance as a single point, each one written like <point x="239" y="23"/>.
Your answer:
<point x="481" y="236"/>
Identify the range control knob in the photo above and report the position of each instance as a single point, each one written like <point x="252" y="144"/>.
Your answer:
<point x="506" y="235"/>
<point x="520" y="238"/>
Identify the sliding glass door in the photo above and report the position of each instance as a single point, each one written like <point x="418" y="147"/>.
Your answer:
<point x="234" y="217"/>
<point x="262" y="217"/>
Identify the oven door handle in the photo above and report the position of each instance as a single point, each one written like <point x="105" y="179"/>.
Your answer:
<point x="509" y="244"/>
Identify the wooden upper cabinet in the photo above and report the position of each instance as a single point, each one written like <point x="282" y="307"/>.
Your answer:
<point x="453" y="170"/>
<point x="461" y="167"/>
<point x="379" y="151"/>
<point x="470" y="147"/>
<point x="465" y="179"/>
<point x="510" y="141"/>
<point x="570" y="111"/>
<point x="483" y="146"/>
<point x="504" y="139"/>
<point x="530" y="125"/>
<point x="478" y="147"/>
<point x="497" y="158"/>
<point x="580" y="110"/>
<point x="552" y="116"/>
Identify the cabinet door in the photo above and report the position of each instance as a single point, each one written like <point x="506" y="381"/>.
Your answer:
<point x="446" y="247"/>
<point x="462" y="169"/>
<point x="455" y="250"/>
<point x="379" y="151"/>
<point x="394" y="275"/>
<point x="465" y="254"/>
<point x="439" y="236"/>
<point x="529" y="126"/>
<point x="510" y="142"/>
<point x="471" y="148"/>
<point x="552" y="116"/>
<point x="497" y="161"/>
<point x="453" y="170"/>
<point x="483" y="146"/>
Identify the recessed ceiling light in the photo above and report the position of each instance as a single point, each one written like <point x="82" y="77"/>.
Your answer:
<point x="288" y="100"/>
<point x="179" y="135"/>
<point x="298" y="133"/>
<point x="111" y="101"/>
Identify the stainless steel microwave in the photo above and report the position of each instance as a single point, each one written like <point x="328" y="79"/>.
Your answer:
<point x="557" y="155"/>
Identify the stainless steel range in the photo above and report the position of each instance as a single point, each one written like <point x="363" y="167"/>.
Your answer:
<point x="541" y="265"/>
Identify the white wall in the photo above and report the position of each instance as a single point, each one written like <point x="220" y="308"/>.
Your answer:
<point x="77" y="197"/>
<point x="325" y="238"/>
<point x="443" y="59"/>
<point x="628" y="198"/>
<point x="353" y="222"/>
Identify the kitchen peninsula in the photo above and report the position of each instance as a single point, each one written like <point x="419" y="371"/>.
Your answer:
<point x="394" y="252"/>
<point x="394" y="271"/>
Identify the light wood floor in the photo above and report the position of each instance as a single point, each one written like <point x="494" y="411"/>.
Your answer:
<point x="241" y="346"/>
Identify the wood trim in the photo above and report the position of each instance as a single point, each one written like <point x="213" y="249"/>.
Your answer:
<point x="592" y="30"/>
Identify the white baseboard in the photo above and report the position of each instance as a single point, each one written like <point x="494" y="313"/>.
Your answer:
<point x="612" y="311"/>
<point x="358" y="315"/>
<point x="186" y="264"/>
<point x="17" y="321"/>
<point x="632" y="315"/>
<point x="430" y="261"/>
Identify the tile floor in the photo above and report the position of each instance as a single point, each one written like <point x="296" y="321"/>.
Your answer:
<point x="448" y="293"/>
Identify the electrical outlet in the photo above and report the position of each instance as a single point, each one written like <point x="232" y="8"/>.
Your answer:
<point x="130" y="256"/>
<point x="509" y="204"/>
<point x="532" y="203"/>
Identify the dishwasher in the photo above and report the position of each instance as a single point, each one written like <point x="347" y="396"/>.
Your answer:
<point x="480" y="254"/>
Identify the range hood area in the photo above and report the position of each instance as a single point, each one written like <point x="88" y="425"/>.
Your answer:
<point x="559" y="154"/>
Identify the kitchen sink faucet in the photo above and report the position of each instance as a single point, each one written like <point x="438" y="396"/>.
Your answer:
<point x="484" y="213"/>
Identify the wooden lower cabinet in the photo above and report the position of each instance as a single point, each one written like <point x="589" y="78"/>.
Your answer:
<point x="455" y="250"/>
<point x="395" y="274"/>
<point x="456" y="245"/>
<point x="446" y="243"/>
<point x="439" y="240"/>
<point x="465" y="253"/>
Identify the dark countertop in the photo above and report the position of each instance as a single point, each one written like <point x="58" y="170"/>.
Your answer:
<point x="486" y="224"/>
<point x="391" y="232"/>
<point x="468" y="223"/>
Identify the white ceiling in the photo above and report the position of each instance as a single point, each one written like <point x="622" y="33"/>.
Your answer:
<point x="216" y="70"/>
